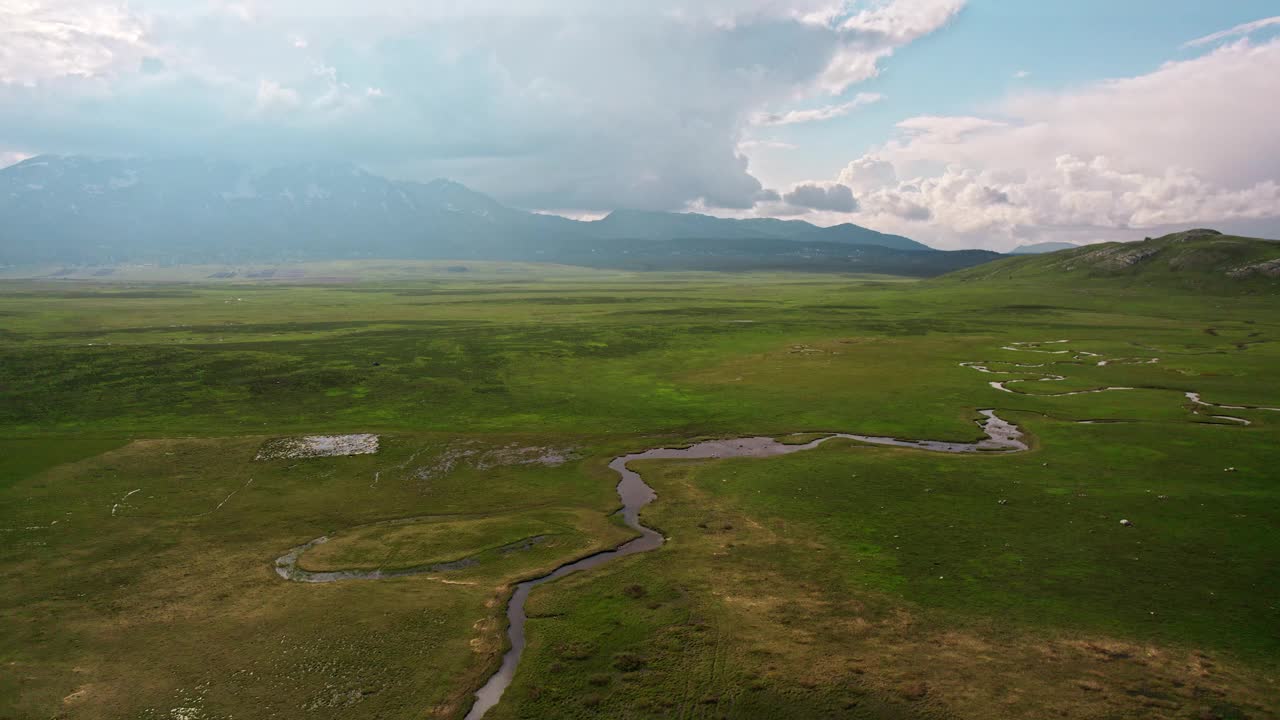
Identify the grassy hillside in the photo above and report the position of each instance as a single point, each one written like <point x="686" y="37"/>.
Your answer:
<point x="1203" y="260"/>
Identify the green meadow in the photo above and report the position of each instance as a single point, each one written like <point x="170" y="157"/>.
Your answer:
<point x="139" y="532"/>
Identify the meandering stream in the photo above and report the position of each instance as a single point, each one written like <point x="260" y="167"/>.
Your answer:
<point x="1001" y="437"/>
<point x="1036" y="347"/>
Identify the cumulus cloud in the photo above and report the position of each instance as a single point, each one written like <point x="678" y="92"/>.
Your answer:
<point x="545" y="103"/>
<point x="1190" y="143"/>
<point x="868" y="172"/>
<point x="833" y="197"/>
<point x="1074" y="192"/>
<point x="826" y="112"/>
<point x="548" y="103"/>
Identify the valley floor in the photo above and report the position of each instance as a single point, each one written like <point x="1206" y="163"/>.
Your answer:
<point x="142" y="523"/>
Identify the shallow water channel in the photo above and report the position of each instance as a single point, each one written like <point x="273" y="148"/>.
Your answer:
<point x="635" y="494"/>
<point x="1002" y="436"/>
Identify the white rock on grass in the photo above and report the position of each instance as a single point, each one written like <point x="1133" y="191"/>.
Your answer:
<point x="310" y="446"/>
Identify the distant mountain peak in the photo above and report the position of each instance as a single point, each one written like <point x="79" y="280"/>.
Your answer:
<point x="625" y="214"/>
<point x="446" y="184"/>
<point x="87" y="210"/>
<point x="1043" y="247"/>
<point x="858" y="235"/>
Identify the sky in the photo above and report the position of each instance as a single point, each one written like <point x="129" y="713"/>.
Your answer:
<point x="961" y="123"/>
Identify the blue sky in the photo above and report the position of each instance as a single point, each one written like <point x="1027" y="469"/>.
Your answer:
<point x="964" y="123"/>
<point x="972" y="63"/>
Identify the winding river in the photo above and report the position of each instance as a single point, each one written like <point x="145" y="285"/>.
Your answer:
<point x="1083" y="355"/>
<point x="1001" y="437"/>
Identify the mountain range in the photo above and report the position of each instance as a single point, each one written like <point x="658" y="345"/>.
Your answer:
<point x="98" y="211"/>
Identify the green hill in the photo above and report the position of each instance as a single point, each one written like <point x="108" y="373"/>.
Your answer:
<point x="1193" y="259"/>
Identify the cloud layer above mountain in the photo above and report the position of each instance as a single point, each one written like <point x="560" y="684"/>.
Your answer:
<point x="566" y="103"/>
<point x="592" y="105"/>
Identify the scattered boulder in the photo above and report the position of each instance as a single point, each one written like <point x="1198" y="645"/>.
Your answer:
<point x="1265" y="268"/>
<point x="311" y="446"/>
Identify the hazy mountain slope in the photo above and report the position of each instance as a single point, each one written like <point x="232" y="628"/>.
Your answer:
<point x="1044" y="247"/>
<point x="1193" y="258"/>
<point x="857" y="235"/>
<point x="651" y="225"/>
<point x="765" y="253"/>
<point x="93" y="211"/>
<point x="82" y="211"/>
<point x="648" y="225"/>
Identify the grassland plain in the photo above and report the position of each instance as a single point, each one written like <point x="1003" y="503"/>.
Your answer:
<point x="842" y="582"/>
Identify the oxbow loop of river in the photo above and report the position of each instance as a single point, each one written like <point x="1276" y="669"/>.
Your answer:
<point x="1001" y="437"/>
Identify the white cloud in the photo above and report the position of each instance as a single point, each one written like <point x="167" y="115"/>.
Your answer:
<point x="1237" y="31"/>
<point x="749" y="145"/>
<point x="827" y="112"/>
<point x="905" y="20"/>
<point x="944" y="129"/>
<point x="871" y="35"/>
<point x="773" y="209"/>
<point x="1073" y="192"/>
<point x="868" y="172"/>
<point x="273" y="96"/>
<point x="1191" y="143"/>
<point x="852" y="65"/>
<point x="1022" y="74"/>
<point x="45" y="40"/>
<point x="545" y="103"/>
